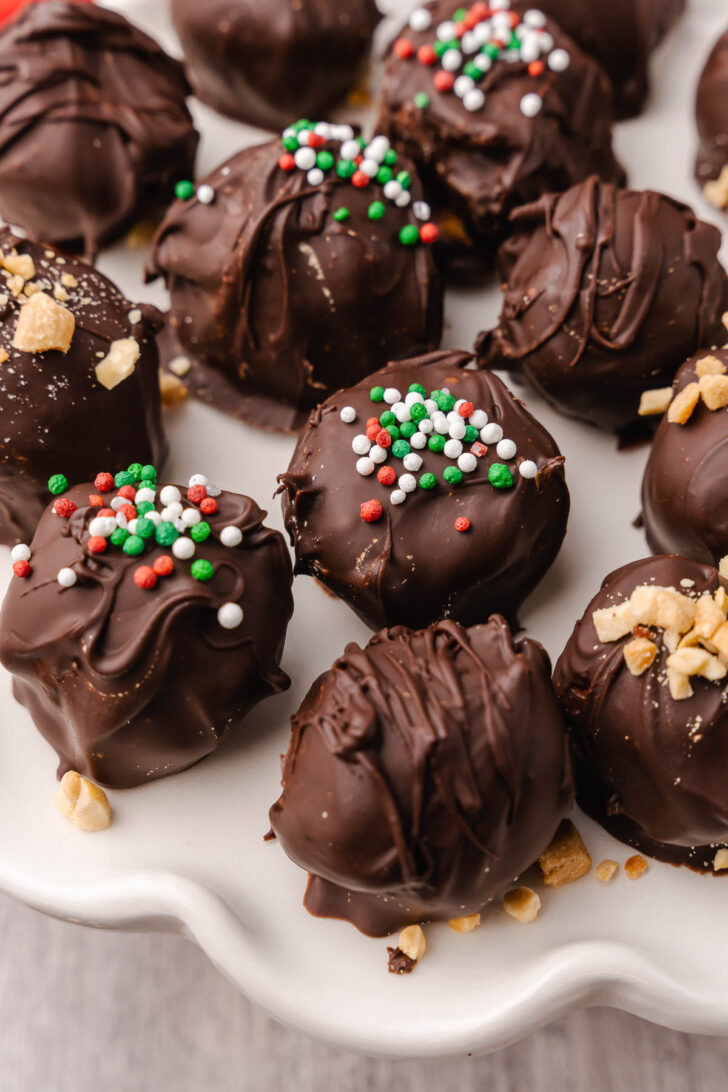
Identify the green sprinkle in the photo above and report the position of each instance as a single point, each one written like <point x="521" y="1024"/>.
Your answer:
<point x="143" y="507"/>
<point x="324" y="160"/>
<point x="149" y="475"/>
<point x="119" y="536"/>
<point x="408" y="429"/>
<point x="436" y="443"/>
<point x="302" y="123"/>
<point x="393" y="431"/>
<point x="201" y="569"/>
<point x="134" y="546"/>
<point x="515" y="42"/>
<point x="442" y="47"/>
<point x="184" y="190"/>
<point x="387" y="418"/>
<point x="404" y="179"/>
<point x="459" y="15"/>
<point x="400" y="448"/>
<point x="421" y="100"/>
<point x="376" y="210"/>
<point x="445" y="402"/>
<point x="500" y="476"/>
<point x="345" y="168"/>
<point x="58" y="483"/>
<point x="418" y="411"/>
<point x="390" y="157"/>
<point x="452" y="475"/>
<point x="417" y="388"/>
<point x="166" y="533"/>
<point x="144" y="528"/>
<point x="434" y="395"/>
<point x="428" y="481"/>
<point x="124" y="478"/>
<point x="136" y="470"/>
<point x="200" y="531"/>
<point x="377" y="394"/>
<point x="409" y="235"/>
<point x="471" y="434"/>
<point x="384" y="175"/>
<point x="290" y="144"/>
<point x="491" y="50"/>
<point x="341" y="214"/>
<point x="473" y="71"/>
<point x="361" y="142"/>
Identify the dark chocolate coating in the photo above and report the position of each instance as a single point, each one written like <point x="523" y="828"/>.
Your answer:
<point x="94" y="129"/>
<point x="266" y="62"/>
<point x="711" y="114"/>
<point x="643" y="769"/>
<point x="424" y="773"/>
<point x="621" y="35"/>
<point x="276" y="302"/>
<point x="412" y="567"/>
<point x="685" y="485"/>
<point x="479" y="165"/>
<point x="55" y="417"/>
<point x="127" y="684"/>
<point x="605" y="294"/>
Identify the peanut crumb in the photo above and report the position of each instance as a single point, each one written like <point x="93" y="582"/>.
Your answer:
<point x="466" y="924"/>
<point x="720" y="861"/>
<point x="655" y="401"/>
<point x="522" y="903"/>
<point x="606" y="869"/>
<point x="709" y="365"/>
<point x="172" y="389"/>
<point x="639" y="654"/>
<point x="412" y="942"/>
<point x="59" y="292"/>
<point x="566" y="858"/>
<point x="68" y="280"/>
<point x="119" y="363"/>
<point x="716" y="191"/>
<point x="4" y="355"/>
<point x="683" y="404"/>
<point x="20" y="265"/>
<point x="714" y="391"/>
<point x="635" y="866"/>
<point x="83" y="803"/>
<point x="180" y="365"/>
<point x="44" y="324"/>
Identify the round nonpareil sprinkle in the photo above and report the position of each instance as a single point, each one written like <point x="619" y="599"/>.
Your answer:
<point x="66" y="577"/>
<point x="230" y="615"/>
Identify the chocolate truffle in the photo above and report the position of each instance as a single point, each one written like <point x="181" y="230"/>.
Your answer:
<point x="295" y="269"/>
<point x="492" y="125"/>
<point x="711" y="115"/>
<point x="94" y="129"/>
<point x="685" y="486"/>
<point x="425" y="771"/>
<point x="264" y="62"/>
<point x="644" y="687"/>
<point x="621" y="34"/>
<point x="426" y="491"/>
<point x="605" y="293"/>
<point x="78" y="378"/>
<point x="144" y="622"/>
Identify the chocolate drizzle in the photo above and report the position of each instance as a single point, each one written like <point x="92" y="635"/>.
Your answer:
<point x="424" y="772"/>
<point x="605" y="293"/>
<point x="94" y="129"/>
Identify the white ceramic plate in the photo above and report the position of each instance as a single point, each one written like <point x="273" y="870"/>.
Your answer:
<point x="187" y="853"/>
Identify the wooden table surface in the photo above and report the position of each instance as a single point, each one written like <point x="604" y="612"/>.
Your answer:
<point x="88" y="1011"/>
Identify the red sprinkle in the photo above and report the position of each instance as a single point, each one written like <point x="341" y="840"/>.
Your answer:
<point x="371" y="511"/>
<point x="466" y="409"/>
<point x="104" y="483"/>
<point x="145" y="578"/>
<point x="515" y="19"/>
<point x="129" y="511"/>
<point x="387" y="475"/>
<point x="429" y="233"/>
<point x="460" y="28"/>
<point x="373" y="431"/>
<point x="64" y="507"/>
<point x="196" y="493"/>
<point x="128" y="492"/>
<point x="384" y="438"/>
<point x="443" y="81"/>
<point x="426" y="55"/>
<point x="315" y="140"/>
<point x="21" y="569"/>
<point x="372" y="421"/>
<point x="108" y="512"/>
<point x="208" y="506"/>
<point x="163" y="565"/>
<point x="359" y="179"/>
<point x="97" y="544"/>
<point x="403" y="49"/>
<point x="479" y="449"/>
<point x="462" y="523"/>
<point x="536" y="68"/>
<point x="480" y="11"/>
<point x="95" y="500"/>
<point x="286" y="162"/>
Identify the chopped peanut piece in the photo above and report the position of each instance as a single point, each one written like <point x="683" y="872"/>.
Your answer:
<point x="683" y="404"/>
<point x="412" y="942"/>
<point x="710" y="365"/>
<point x="654" y="402"/>
<point x="612" y="623"/>
<point x="721" y="599"/>
<point x="83" y="803"/>
<point x="172" y="389"/>
<point x="180" y="365"/>
<point x="639" y="654"/>
<point x="68" y="280"/>
<point x="679" y="685"/>
<point x="119" y="363"/>
<point x="4" y="355"/>
<point x="708" y="616"/>
<point x="719" y="640"/>
<point x="697" y="661"/>
<point x="16" y="285"/>
<point x="566" y="858"/>
<point x="466" y="924"/>
<point x="43" y="325"/>
<point x="723" y="567"/>
<point x="605" y="870"/>
<point x="720" y="861"/>
<point x="635" y="866"/>
<point x="675" y="611"/>
<point x="714" y="391"/>
<point x="716" y="191"/>
<point x="522" y="903"/>
<point x="59" y="292"/>
<point x="20" y="265"/>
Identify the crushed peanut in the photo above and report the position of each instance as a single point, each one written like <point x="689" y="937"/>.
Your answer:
<point x="4" y="355"/>
<point x="412" y="942"/>
<point x="16" y="285"/>
<point x="119" y="363"/>
<point x="466" y="924"/>
<point x="655" y="401"/>
<point x="180" y="365"/>
<point x="683" y="404"/>
<point x="83" y="803"/>
<point x="522" y="903"/>
<point x="635" y="866"/>
<point x="716" y="191"/>
<point x="20" y="265"/>
<point x="566" y="858"/>
<point x="68" y="280"/>
<point x="720" y="861"/>
<point x="697" y="661"/>
<point x="678" y="685"/>
<point x="606" y="869"/>
<point x="714" y="391"/>
<point x="172" y="389"/>
<point x="44" y="324"/>
<point x="59" y="292"/>
<point x="710" y="365"/>
<point x="639" y="654"/>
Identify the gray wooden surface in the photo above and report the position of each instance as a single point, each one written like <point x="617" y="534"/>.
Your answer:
<point x="88" y="1011"/>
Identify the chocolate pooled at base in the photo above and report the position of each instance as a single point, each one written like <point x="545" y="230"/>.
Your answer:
<point x="266" y="62"/>
<point x="650" y="767"/>
<point x="458" y="534"/>
<point x="507" y="134"/>
<point x="137" y="653"/>
<point x="61" y="410"/>
<point x="425" y="771"/>
<point x="605" y="293"/>
<point x="711" y="116"/>
<point x="284" y="289"/>
<point x="94" y="127"/>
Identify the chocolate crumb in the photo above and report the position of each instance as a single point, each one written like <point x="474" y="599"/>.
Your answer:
<point x="399" y="963"/>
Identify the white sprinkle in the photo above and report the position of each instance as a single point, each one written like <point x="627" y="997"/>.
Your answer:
<point x="397" y="496"/>
<point x="420" y="20"/>
<point x="134" y="316"/>
<point x="392" y="190"/>
<point x="122" y="521"/>
<point x="530" y="49"/>
<point x="469" y="42"/>
<point x="457" y="429"/>
<point x="426" y="426"/>
<point x="196" y="479"/>
<point x="467" y="462"/>
<point x="324" y="129"/>
<point x="446" y="31"/>
<point x="102" y="525"/>
<point x="402" y="412"/>
<point x="350" y="149"/>
<point x="369" y="167"/>
<point x="452" y="449"/>
<point x="348" y="415"/>
<point x="413" y="396"/>
<point x="531" y="104"/>
<point x="361" y="444"/>
<point x="205" y="194"/>
<point x="117" y="503"/>
<point x="305" y="159"/>
<point x="491" y="433"/>
<point x="412" y="461"/>
<point x="559" y="60"/>
<point x="183" y="548"/>
<point x="315" y="176"/>
<point x="230" y="615"/>
<point x="407" y="483"/>
<point x="231" y="536"/>
<point x="431" y="406"/>
<point x="131" y="525"/>
<point x="303" y="137"/>
<point x="478" y="418"/>
<point x="506" y="449"/>
<point x="145" y="495"/>
<point x="483" y="62"/>
<point x="528" y="469"/>
<point x="180" y="524"/>
<point x="364" y="466"/>
<point x="462" y="85"/>
<point x="153" y="517"/>
<point x="289" y="132"/>
<point x="213" y="490"/>
<point x="403" y="200"/>
<point x="66" y="578"/>
<point x="190" y="517"/>
<point x="169" y="494"/>
<point x="474" y="100"/>
<point x="172" y="511"/>
<point x="451" y="60"/>
<point x="342" y="132"/>
<point x="423" y="212"/>
<point x="21" y="552"/>
<point x="392" y="395"/>
<point x="418" y="441"/>
<point x="377" y="149"/>
<point x="442" y="425"/>
<point x="534" y="18"/>
<point x="378" y="454"/>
